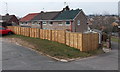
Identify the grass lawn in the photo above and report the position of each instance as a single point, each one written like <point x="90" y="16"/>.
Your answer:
<point x="115" y="39"/>
<point x="55" y="49"/>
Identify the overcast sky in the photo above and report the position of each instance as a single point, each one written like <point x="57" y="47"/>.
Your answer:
<point x="22" y="7"/>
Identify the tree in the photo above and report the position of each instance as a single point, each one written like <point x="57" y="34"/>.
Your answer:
<point x="115" y="29"/>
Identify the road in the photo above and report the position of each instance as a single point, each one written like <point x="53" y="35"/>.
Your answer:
<point x="16" y="57"/>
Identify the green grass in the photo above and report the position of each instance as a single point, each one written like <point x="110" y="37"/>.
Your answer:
<point x="55" y="49"/>
<point x="115" y="39"/>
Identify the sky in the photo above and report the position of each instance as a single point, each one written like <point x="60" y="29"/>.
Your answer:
<point x="22" y="7"/>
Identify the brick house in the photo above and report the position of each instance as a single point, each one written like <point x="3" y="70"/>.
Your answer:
<point x="27" y="20"/>
<point x="9" y="20"/>
<point x="71" y="20"/>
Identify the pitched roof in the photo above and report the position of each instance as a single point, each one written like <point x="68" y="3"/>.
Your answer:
<point x="46" y="16"/>
<point x="67" y="15"/>
<point x="7" y="17"/>
<point x="29" y="17"/>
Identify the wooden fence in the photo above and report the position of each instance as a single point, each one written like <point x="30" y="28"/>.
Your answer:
<point x="81" y="41"/>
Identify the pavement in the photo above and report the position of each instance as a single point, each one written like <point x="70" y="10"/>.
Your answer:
<point x="16" y="57"/>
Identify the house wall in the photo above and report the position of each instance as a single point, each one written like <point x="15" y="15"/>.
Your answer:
<point x="54" y="26"/>
<point x="30" y="24"/>
<point x="15" y="20"/>
<point x="63" y="26"/>
<point x="83" y="23"/>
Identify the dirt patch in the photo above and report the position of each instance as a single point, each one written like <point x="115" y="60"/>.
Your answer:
<point x="19" y="42"/>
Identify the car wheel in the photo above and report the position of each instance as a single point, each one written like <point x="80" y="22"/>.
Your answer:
<point x="9" y="33"/>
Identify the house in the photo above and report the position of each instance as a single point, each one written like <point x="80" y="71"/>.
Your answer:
<point x="73" y="20"/>
<point x="9" y="20"/>
<point x="27" y="19"/>
<point x="45" y="19"/>
<point x="66" y="19"/>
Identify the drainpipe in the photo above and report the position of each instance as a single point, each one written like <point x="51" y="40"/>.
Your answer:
<point x="71" y="26"/>
<point x="40" y="25"/>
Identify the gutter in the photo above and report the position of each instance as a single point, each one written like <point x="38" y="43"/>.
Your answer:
<point x="53" y="20"/>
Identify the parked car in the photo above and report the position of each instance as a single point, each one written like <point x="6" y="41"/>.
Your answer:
<point x="4" y="30"/>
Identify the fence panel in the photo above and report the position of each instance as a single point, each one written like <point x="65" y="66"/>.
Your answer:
<point x="41" y="33"/>
<point x="56" y="35"/>
<point x="84" y="42"/>
<point x="31" y="32"/>
<point x="53" y="35"/>
<point x="15" y="29"/>
<point x="63" y="33"/>
<point x="36" y="32"/>
<point x="80" y="42"/>
<point x="90" y="41"/>
<point x="11" y="28"/>
<point x="49" y="34"/>
<point x="68" y="38"/>
<point x="45" y="34"/>
<point x="71" y="39"/>
<point x="59" y="37"/>
<point x="21" y="31"/>
<point x="75" y="40"/>
<point x="95" y="41"/>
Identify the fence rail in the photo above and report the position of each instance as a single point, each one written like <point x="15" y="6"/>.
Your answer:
<point x="83" y="42"/>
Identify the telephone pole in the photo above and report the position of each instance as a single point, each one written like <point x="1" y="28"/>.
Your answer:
<point x="65" y="3"/>
<point x="6" y="7"/>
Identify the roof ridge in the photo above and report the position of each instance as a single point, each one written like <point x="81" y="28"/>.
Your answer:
<point x="52" y="12"/>
<point x="33" y="13"/>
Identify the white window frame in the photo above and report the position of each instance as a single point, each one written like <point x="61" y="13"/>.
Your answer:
<point x="1" y="20"/>
<point x="44" y="22"/>
<point x="26" y="23"/>
<point x="33" y="23"/>
<point x="78" y="22"/>
<point x="60" y="23"/>
<point x="50" y="23"/>
<point x="67" y="24"/>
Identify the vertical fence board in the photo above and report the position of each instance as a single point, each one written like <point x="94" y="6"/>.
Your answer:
<point x="63" y="36"/>
<point x="71" y="40"/>
<point x="68" y="38"/>
<point x="84" y="42"/>
<point x="53" y="35"/>
<point x="75" y="40"/>
<point x="80" y="42"/>
<point x="59" y="37"/>
<point x="11" y="28"/>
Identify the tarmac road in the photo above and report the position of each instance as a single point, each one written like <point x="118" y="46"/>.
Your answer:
<point x="16" y="57"/>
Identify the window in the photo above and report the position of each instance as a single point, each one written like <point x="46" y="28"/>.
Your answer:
<point x="21" y="23"/>
<point x="67" y="22"/>
<point x="25" y="22"/>
<point x="50" y="23"/>
<point x="44" y="22"/>
<point x="78" y="22"/>
<point x="35" y="23"/>
<point x="60" y="23"/>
